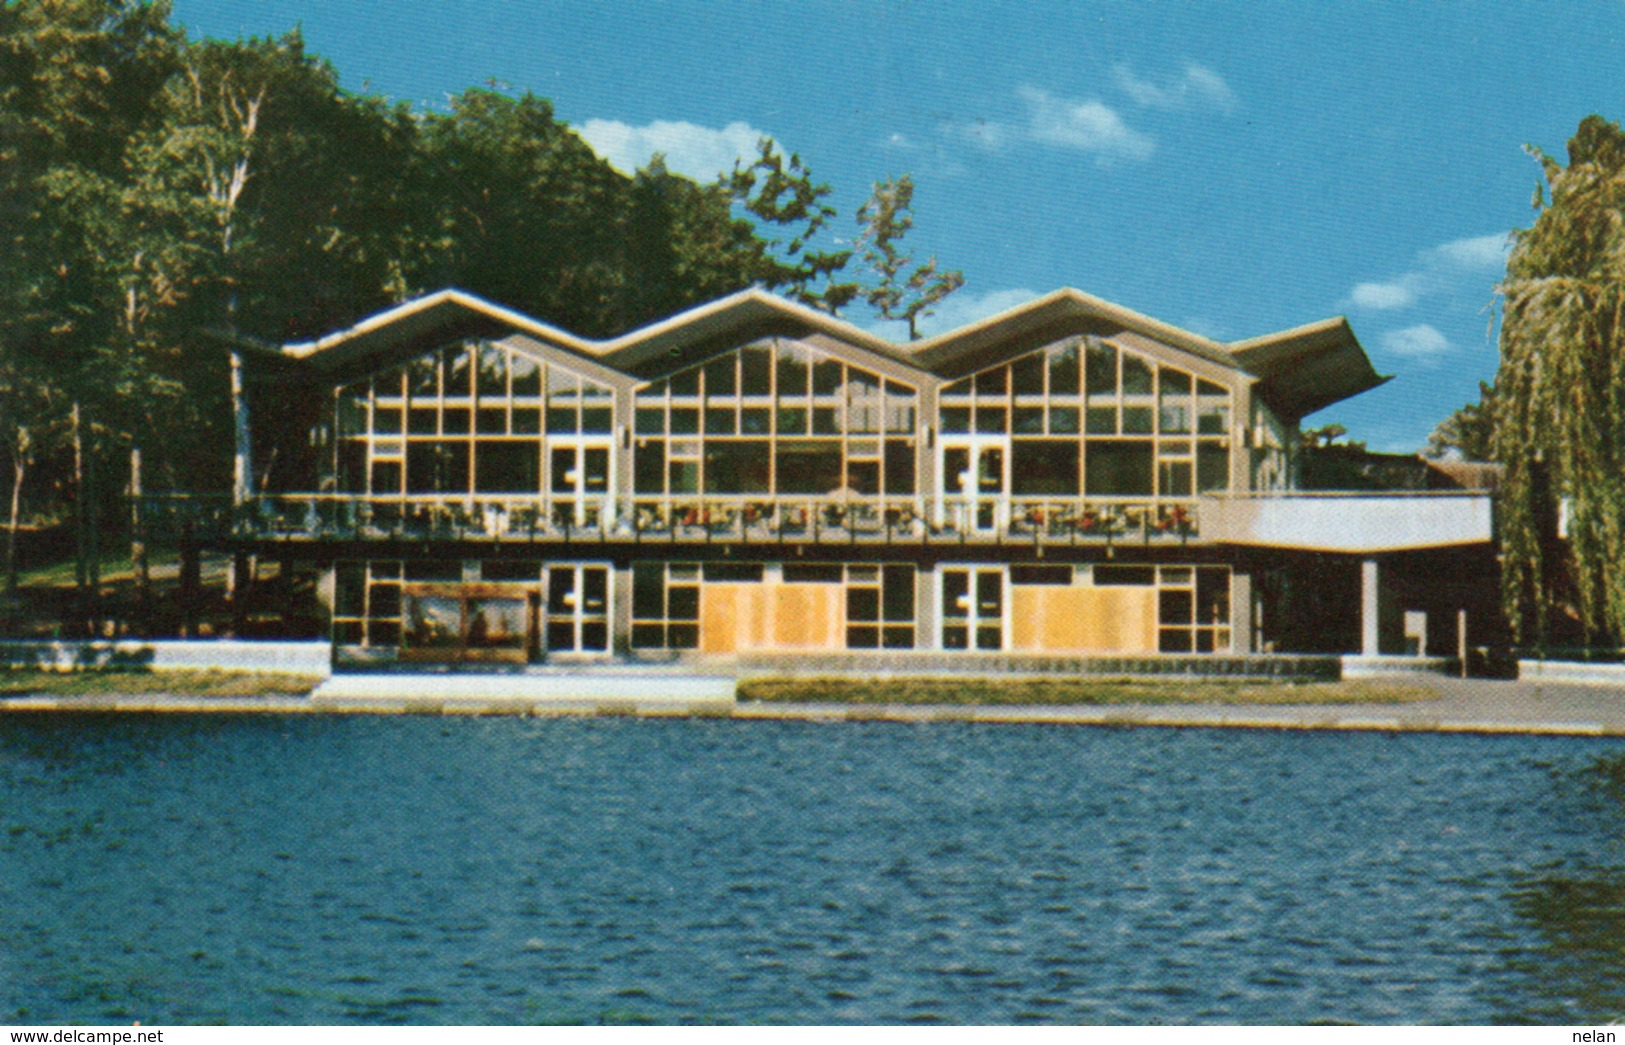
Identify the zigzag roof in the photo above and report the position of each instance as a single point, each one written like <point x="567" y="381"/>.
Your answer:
<point x="1298" y="371"/>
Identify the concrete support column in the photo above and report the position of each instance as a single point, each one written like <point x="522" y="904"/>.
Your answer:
<point x="925" y="608"/>
<point x="620" y="482"/>
<point x="620" y="608"/>
<point x="927" y="482"/>
<point x="1370" y="607"/>
<point x="1242" y="640"/>
<point x="327" y="591"/>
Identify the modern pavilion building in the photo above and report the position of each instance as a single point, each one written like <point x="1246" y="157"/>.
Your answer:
<point x="1068" y="477"/>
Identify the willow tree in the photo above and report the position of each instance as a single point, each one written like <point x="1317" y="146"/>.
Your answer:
<point x="1560" y="426"/>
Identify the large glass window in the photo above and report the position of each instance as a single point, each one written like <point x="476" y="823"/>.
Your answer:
<point x="1044" y="466"/>
<point x="775" y="418"/>
<point x="1150" y="430"/>
<point x="466" y="418"/>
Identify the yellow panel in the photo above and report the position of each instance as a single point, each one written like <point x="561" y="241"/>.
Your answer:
<point x="1028" y="608"/>
<point x="1047" y="619"/>
<point x="807" y="616"/>
<point x="758" y="624"/>
<point x="1121" y="620"/>
<point x="1066" y="624"/>
<point x="719" y="615"/>
<point x="748" y="616"/>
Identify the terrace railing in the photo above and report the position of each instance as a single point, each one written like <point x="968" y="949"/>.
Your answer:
<point x="854" y="518"/>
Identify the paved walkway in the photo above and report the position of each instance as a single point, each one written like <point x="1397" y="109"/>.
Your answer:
<point x="1461" y="706"/>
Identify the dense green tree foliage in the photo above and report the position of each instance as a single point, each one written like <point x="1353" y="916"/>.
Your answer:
<point x="156" y="192"/>
<point x="781" y="195"/>
<point x="1560" y="391"/>
<point x="78" y="80"/>
<point x="1468" y="434"/>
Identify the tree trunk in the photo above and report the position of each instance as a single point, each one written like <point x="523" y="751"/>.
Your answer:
<point x="138" y="548"/>
<point x="19" y="468"/>
<point x="81" y="571"/>
<point x="190" y="581"/>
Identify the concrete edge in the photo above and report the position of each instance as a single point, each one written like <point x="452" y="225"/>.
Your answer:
<point x="1307" y="718"/>
<point x="1572" y="672"/>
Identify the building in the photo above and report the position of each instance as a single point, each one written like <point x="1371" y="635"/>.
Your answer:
<point x="752" y="475"/>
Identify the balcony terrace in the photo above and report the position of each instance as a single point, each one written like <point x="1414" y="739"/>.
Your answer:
<point x="1353" y="523"/>
<point x="743" y="519"/>
<point x="1350" y="523"/>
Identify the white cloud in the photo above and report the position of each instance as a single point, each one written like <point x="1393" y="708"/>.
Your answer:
<point x="1422" y="343"/>
<point x="1198" y="87"/>
<point x="958" y="309"/>
<point x="1383" y="295"/>
<point x="1208" y="328"/>
<point x="989" y="134"/>
<point x="1458" y="265"/>
<point x="698" y="152"/>
<point x="1086" y="124"/>
<point x="1488" y="253"/>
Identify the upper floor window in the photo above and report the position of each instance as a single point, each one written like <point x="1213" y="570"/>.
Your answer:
<point x="775" y="418"/>
<point x="414" y="428"/>
<point x="1147" y="428"/>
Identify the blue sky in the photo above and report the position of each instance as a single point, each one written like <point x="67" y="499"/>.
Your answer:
<point x="1231" y="168"/>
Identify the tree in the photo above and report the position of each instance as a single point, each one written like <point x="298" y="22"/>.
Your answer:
<point x="78" y="79"/>
<point x="523" y="211"/>
<point x="1468" y="434"/>
<point x="683" y="245"/>
<point x="1327" y="437"/>
<point x="267" y="201"/>
<point x="1560" y="390"/>
<point x="781" y="193"/>
<point x="896" y="291"/>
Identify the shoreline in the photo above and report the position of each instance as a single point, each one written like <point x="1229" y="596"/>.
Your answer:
<point x="1458" y="706"/>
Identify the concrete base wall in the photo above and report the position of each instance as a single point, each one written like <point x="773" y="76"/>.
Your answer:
<point x="293" y="658"/>
<point x="1363" y="667"/>
<point x="1571" y="671"/>
<point x="599" y="686"/>
<point x="903" y="663"/>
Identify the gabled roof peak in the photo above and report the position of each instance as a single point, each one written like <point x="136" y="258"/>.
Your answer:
<point x="1300" y="370"/>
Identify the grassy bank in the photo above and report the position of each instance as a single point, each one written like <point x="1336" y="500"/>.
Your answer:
<point x="995" y="691"/>
<point x="32" y="682"/>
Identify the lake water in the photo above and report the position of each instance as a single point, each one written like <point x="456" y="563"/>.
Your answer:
<point x="424" y="870"/>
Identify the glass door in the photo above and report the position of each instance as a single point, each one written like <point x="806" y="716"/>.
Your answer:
<point x="972" y="607"/>
<point x="975" y="481"/>
<point x="578" y="482"/>
<point x="577" y="608"/>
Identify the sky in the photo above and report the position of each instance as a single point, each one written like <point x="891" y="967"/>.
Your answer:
<point x="1233" y="169"/>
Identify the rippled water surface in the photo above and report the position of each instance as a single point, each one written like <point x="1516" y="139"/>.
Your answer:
<point x="331" y="870"/>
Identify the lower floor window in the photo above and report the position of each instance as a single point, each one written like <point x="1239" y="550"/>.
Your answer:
<point x="505" y="609"/>
<point x="534" y="608"/>
<point x="665" y="605"/>
<point x="880" y="607"/>
<point x="1193" y="609"/>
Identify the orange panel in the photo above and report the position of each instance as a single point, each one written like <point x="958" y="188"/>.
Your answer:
<point x="719" y="615"/>
<point x="1028" y="609"/>
<point x="747" y="616"/>
<point x="1066" y="624"/>
<point x="1121" y="620"/>
<point x="1047" y="619"/>
<point x="807" y="616"/>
